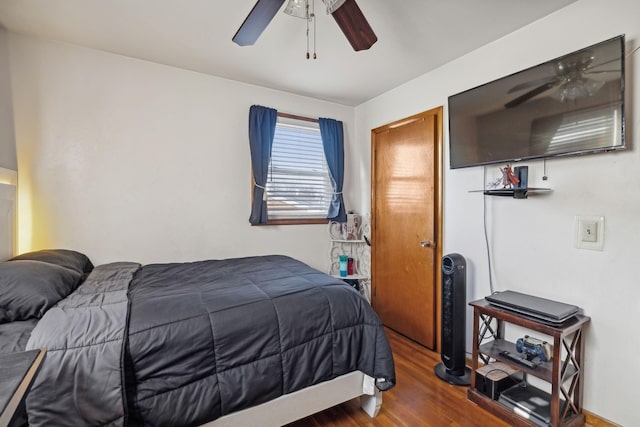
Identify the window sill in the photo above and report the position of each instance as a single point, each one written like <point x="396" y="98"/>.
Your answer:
<point x="294" y="221"/>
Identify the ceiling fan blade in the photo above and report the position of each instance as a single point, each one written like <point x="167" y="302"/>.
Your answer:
<point x="257" y="20"/>
<point x="530" y="84"/>
<point x="604" y="63"/>
<point x="601" y="71"/>
<point x="354" y="25"/>
<point x="532" y="93"/>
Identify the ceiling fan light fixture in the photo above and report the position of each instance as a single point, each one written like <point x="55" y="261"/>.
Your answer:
<point x="578" y="88"/>
<point x="333" y="5"/>
<point x="298" y="9"/>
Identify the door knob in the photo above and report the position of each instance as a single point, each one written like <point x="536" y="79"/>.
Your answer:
<point x="428" y="244"/>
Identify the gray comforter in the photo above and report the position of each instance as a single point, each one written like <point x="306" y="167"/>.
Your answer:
<point x="182" y="344"/>
<point x="80" y="382"/>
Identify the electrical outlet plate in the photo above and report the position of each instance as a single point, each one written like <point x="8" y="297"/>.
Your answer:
<point x="589" y="232"/>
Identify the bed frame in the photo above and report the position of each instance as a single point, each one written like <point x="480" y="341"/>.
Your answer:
<point x="302" y="403"/>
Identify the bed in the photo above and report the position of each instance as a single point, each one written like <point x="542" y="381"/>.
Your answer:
<point x="246" y="341"/>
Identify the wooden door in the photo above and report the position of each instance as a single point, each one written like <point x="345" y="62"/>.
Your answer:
<point x="406" y="218"/>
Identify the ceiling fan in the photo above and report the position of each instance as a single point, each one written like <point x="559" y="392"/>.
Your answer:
<point x="346" y="13"/>
<point x="570" y="77"/>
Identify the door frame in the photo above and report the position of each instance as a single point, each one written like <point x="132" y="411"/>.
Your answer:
<point x="437" y="204"/>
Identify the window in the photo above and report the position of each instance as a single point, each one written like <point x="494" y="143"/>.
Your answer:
<point x="599" y="125"/>
<point x="568" y="132"/>
<point x="298" y="188"/>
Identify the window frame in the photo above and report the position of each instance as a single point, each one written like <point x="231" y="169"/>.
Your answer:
<point x="294" y="221"/>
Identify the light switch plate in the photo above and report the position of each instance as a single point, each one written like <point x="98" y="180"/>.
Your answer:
<point x="589" y="232"/>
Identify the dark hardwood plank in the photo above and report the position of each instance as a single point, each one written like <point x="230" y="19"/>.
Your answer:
<point x="419" y="398"/>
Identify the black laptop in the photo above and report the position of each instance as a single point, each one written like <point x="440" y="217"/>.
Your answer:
<point x="540" y="308"/>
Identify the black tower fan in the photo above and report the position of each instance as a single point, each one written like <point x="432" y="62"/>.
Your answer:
<point x="454" y="302"/>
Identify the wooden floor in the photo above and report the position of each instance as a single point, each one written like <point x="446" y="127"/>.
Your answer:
<point x="418" y="399"/>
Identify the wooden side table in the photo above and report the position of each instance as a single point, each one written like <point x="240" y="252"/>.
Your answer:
<point x="17" y="373"/>
<point x="564" y="372"/>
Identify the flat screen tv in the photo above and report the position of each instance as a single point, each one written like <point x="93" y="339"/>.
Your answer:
<point x="570" y="105"/>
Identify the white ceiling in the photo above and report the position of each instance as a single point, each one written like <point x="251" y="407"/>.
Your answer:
<point x="414" y="36"/>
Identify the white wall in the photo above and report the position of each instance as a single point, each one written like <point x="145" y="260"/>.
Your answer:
<point x="128" y="160"/>
<point x="124" y="159"/>
<point x="7" y="139"/>
<point x="532" y="240"/>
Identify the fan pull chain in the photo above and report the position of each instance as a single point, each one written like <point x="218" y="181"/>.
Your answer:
<point x="308" y="18"/>
<point x="314" y="30"/>
<point x="311" y="16"/>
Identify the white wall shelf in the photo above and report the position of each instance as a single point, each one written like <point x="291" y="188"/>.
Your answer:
<point x="355" y="247"/>
<point x="516" y="193"/>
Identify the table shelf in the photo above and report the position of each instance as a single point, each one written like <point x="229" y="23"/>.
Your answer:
<point x="563" y="372"/>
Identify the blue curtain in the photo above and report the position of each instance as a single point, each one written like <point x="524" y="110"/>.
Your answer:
<point x="333" y="141"/>
<point x="262" y="127"/>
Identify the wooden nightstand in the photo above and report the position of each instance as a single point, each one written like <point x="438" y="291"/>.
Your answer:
<point x="17" y="373"/>
<point x="564" y="372"/>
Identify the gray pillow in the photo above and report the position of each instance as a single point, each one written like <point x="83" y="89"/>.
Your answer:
<point x="62" y="257"/>
<point x="29" y="288"/>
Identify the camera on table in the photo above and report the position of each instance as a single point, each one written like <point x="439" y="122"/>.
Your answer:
<point x="534" y="347"/>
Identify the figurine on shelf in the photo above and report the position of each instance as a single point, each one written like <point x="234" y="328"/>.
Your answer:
<point x="508" y="177"/>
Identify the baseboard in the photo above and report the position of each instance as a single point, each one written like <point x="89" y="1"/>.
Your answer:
<point x="594" y="420"/>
